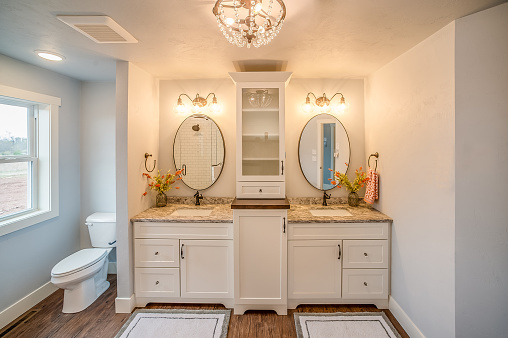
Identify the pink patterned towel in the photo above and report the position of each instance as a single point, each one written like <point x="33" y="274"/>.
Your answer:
<point x="371" y="192"/>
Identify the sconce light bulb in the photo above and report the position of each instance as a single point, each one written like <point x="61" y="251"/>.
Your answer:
<point x="214" y="106"/>
<point x="258" y="7"/>
<point x="196" y="108"/>
<point x="308" y="107"/>
<point x="230" y="21"/>
<point x="179" y="107"/>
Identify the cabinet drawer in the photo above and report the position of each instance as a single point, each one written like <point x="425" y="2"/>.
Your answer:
<point x="157" y="282"/>
<point x="365" y="284"/>
<point x="156" y="253"/>
<point x="183" y="230"/>
<point x="338" y="231"/>
<point x="260" y="190"/>
<point x="371" y="254"/>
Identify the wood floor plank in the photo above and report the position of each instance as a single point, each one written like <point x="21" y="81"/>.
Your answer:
<point x="99" y="320"/>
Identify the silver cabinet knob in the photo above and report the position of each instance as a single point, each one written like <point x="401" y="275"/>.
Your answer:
<point x="365" y="254"/>
<point x="156" y="253"/>
<point x="260" y="190"/>
<point x="157" y="283"/>
<point x="365" y="283"/>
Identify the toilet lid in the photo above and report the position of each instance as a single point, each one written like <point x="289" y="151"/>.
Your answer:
<point x="78" y="261"/>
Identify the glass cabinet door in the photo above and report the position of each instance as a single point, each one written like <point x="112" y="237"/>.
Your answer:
<point x="260" y="132"/>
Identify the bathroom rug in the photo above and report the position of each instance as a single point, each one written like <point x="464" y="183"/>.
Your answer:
<point x="344" y="324"/>
<point x="176" y="324"/>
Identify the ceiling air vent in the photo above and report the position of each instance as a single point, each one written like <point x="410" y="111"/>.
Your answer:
<point x="99" y="28"/>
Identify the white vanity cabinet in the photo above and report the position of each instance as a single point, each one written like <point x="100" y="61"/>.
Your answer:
<point x="183" y="262"/>
<point x="260" y="154"/>
<point x="338" y="263"/>
<point x="260" y="246"/>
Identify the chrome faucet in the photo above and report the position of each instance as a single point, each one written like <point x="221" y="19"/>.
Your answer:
<point x="198" y="197"/>
<point x="326" y="197"/>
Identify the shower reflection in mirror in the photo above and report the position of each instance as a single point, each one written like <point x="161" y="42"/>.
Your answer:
<point x="324" y="145"/>
<point x="199" y="149"/>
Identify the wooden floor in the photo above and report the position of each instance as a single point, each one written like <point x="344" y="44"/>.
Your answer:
<point x="100" y="319"/>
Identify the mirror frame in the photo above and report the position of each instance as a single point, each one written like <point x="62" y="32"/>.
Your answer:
<point x="300" y="140"/>
<point x="223" y="144"/>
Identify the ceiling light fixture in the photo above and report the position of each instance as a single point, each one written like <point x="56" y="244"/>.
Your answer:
<point x="249" y="22"/>
<point x="323" y="103"/>
<point x="51" y="56"/>
<point x="198" y="104"/>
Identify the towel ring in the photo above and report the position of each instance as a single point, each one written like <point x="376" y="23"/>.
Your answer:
<point x="147" y="155"/>
<point x="376" y="155"/>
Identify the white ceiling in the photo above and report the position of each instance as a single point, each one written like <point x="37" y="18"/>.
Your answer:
<point x="180" y="39"/>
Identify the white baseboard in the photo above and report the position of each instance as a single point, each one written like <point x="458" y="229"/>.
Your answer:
<point x="404" y="320"/>
<point x="24" y="304"/>
<point x="112" y="268"/>
<point x="125" y="305"/>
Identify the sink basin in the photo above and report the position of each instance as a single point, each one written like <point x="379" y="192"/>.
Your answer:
<point x="330" y="212"/>
<point x="192" y="212"/>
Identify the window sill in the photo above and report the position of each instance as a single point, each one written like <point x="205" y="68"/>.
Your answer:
<point x="22" y="221"/>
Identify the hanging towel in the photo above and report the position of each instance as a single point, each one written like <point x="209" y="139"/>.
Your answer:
<point x="371" y="192"/>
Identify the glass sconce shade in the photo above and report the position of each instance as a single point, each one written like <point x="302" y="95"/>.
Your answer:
<point x="308" y="107"/>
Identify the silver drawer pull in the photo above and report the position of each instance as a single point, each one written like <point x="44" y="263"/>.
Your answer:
<point x="365" y="283"/>
<point x="156" y="253"/>
<point x="157" y="283"/>
<point x="260" y="190"/>
<point x="365" y="254"/>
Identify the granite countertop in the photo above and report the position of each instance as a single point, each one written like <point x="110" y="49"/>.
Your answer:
<point x="222" y="212"/>
<point x="300" y="213"/>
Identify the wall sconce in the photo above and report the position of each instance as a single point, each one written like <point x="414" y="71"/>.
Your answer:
<point x="323" y="103"/>
<point x="198" y="104"/>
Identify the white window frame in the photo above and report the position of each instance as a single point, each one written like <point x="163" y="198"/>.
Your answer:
<point x="45" y="171"/>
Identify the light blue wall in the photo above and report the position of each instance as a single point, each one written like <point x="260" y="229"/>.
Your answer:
<point x="28" y="255"/>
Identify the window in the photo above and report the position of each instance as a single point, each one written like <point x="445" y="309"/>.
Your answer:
<point x="28" y="158"/>
<point x="18" y="158"/>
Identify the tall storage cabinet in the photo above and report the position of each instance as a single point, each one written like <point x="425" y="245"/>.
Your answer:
<point x="260" y="247"/>
<point x="260" y="154"/>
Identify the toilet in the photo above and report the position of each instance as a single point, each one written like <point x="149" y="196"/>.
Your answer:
<point x="83" y="274"/>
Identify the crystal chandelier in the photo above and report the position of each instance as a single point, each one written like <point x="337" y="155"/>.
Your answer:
<point x="246" y="22"/>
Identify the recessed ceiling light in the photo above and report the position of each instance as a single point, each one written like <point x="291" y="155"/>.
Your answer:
<point x="49" y="55"/>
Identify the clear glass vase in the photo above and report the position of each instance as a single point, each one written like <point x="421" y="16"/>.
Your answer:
<point x="353" y="199"/>
<point x="161" y="200"/>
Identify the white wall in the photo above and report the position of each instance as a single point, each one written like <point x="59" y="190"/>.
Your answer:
<point x="409" y="120"/>
<point x="137" y="122"/>
<point x="296" y="185"/>
<point x="98" y="186"/>
<point x="28" y="255"/>
<point x="224" y="89"/>
<point x="296" y="119"/>
<point x="481" y="188"/>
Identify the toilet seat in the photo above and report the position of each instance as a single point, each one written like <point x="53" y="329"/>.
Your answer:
<point x="79" y="261"/>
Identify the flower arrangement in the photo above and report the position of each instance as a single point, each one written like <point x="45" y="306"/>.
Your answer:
<point x="162" y="183"/>
<point x="359" y="182"/>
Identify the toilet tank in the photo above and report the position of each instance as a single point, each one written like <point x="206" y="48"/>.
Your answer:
<point x="102" y="229"/>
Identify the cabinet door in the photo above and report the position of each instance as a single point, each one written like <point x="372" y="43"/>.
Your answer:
<point x="314" y="269"/>
<point x="260" y="130"/>
<point x="260" y="257"/>
<point x="206" y="268"/>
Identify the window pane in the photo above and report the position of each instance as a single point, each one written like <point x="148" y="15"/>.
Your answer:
<point x="13" y="130"/>
<point x="15" y="189"/>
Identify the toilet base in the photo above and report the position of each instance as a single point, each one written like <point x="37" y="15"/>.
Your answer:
<point x="81" y="295"/>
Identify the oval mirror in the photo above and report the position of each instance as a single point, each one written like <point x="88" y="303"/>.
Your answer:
<point x="198" y="151"/>
<point x="324" y="144"/>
